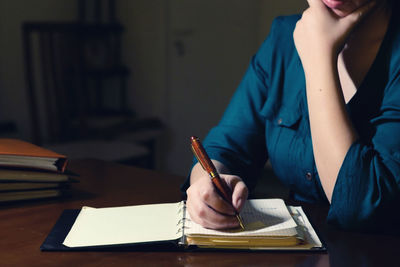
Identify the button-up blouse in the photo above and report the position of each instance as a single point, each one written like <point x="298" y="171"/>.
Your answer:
<point x="267" y="118"/>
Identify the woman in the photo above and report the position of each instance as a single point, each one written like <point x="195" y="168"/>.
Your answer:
<point x="321" y="101"/>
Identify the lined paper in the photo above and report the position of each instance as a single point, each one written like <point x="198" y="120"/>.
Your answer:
<point x="266" y="217"/>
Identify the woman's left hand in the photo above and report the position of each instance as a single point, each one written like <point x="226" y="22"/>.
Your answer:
<point x="322" y="33"/>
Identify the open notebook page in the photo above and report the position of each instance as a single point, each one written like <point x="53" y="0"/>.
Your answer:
<point x="261" y="217"/>
<point x="124" y="225"/>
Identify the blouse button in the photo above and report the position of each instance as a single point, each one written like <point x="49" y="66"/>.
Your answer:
<point x="308" y="176"/>
<point x="280" y="121"/>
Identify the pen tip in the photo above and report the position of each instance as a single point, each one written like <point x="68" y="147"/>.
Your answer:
<point x="241" y="224"/>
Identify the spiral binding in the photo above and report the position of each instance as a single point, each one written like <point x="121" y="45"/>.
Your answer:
<point x="181" y="222"/>
<point x="181" y="205"/>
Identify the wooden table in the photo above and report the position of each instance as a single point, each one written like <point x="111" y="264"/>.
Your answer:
<point x="24" y="226"/>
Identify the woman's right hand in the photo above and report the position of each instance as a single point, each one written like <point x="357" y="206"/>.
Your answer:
<point x="207" y="208"/>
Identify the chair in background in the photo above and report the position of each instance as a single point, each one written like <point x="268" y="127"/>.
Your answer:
<point x="77" y="91"/>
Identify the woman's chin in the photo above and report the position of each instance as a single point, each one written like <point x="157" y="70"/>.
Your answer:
<point x="340" y="13"/>
<point x="339" y="7"/>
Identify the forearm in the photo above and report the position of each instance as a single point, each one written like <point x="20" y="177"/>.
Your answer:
<point x="319" y="37"/>
<point x="331" y="130"/>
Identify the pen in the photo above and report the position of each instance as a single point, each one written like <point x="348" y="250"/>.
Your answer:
<point x="205" y="162"/>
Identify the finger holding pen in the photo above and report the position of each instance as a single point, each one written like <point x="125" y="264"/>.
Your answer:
<point x="220" y="185"/>
<point x="207" y="208"/>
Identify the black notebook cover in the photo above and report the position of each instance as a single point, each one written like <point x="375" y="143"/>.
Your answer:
<point x="54" y="241"/>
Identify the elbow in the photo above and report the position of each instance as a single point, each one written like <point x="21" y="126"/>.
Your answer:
<point x="350" y="220"/>
<point x="367" y="192"/>
<point x="382" y="218"/>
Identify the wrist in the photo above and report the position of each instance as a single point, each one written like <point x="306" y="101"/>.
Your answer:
<point x="322" y="66"/>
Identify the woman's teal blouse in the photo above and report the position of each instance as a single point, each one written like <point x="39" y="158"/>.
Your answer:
<point x="267" y="118"/>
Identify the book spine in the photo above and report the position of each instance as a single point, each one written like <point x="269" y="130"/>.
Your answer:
<point x="61" y="164"/>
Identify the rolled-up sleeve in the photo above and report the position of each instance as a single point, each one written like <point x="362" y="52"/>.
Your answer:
<point x="238" y="141"/>
<point x="367" y="190"/>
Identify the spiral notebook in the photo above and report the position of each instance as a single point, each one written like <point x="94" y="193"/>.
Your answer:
<point x="269" y="224"/>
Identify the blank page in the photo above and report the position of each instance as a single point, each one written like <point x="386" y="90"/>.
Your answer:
<point x="124" y="225"/>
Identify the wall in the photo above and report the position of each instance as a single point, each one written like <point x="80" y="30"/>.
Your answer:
<point x="144" y="51"/>
<point x="13" y="102"/>
<point x="217" y="41"/>
<point x="270" y="9"/>
<point x="147" y="50"/>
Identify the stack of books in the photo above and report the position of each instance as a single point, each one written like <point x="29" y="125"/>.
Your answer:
<point x="28" y="172"/>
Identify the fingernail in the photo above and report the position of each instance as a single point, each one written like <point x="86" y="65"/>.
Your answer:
<point x="239" y="203"/>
